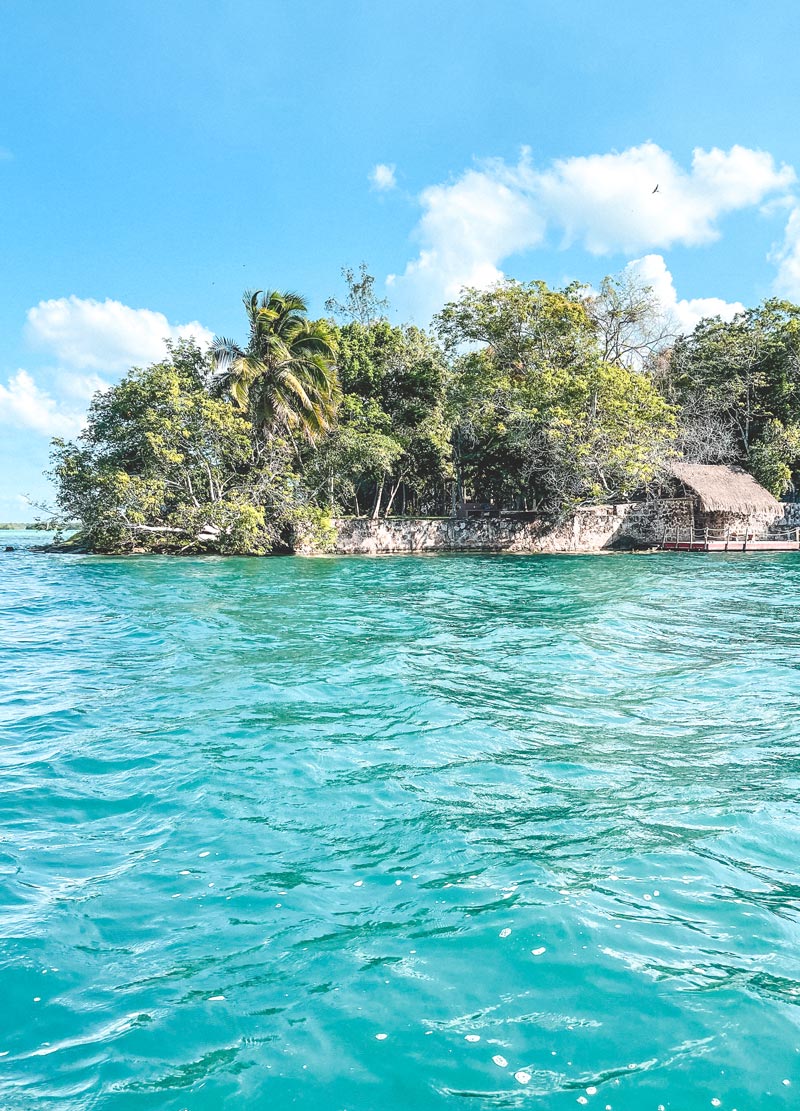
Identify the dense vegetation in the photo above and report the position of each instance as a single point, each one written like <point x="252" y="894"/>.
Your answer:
<point x="519" y="398"/>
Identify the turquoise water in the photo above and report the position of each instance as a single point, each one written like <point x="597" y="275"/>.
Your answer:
<point x="256" y="813"/>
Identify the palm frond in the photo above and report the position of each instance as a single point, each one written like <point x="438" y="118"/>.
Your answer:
<point x="286" y="375"/>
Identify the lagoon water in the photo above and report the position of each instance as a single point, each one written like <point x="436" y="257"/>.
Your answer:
<point x="414" y="832"/>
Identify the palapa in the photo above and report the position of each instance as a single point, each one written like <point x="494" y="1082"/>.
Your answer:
<point x="720" y="488"/>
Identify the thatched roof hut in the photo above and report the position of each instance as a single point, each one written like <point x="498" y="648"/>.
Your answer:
<point x="724" y="489"/>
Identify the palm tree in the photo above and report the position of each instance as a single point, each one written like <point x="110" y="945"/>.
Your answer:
<point x="285" y="375"/>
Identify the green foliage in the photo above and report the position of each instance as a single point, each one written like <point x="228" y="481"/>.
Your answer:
<point x="541" y="421"/>
<point x="163" y="465"/>
<point x="392" y="442"/>
<point x="285" y="376"/>
<point x="772" y="456"/>
<point x="526" y="398"/>
<point x="361" y="304"/>
<point x="742" y="380"/>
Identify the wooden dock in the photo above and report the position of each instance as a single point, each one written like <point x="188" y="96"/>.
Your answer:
<point x="685" y="539"/>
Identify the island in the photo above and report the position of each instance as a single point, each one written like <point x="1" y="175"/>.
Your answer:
<point x="526" y="418"/>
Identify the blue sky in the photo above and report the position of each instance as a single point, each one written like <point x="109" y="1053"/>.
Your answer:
<point x="158" y="158"/>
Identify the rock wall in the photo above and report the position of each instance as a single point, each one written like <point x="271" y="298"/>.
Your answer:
<point x="590" y="529"/>
<point x="787" y="518"/>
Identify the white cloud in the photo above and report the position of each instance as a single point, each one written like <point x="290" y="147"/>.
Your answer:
<point x="24" y="405"/>
<point x="467" y="228"/>
<point x="82" y="387"/>
<point x="787" y="257"/>
<point x="627" y="201"/>
<point x="105" y="335"/>
<point x="642" y="198"/>
<point x="683" y="314"/>
<point x="383" y="177"/>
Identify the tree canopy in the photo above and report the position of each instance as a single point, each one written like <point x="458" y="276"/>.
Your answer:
<point x="285" y="375"/>
<point x="520" y="398"/>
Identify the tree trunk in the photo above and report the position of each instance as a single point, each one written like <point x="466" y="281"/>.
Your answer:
<point x="157" y="528"/>
<point x="377" y="507"/>
<point x="392" y="497"/>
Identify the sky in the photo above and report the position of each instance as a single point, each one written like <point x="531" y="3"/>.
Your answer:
<point x="158" y="158"/>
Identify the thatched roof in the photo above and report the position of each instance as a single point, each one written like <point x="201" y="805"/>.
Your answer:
<point x="724" y="489"/>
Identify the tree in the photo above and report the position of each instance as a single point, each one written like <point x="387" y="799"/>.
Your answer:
<point x="772" y="455"/>
<point x="391" y="447"/>
<point x="737" y="386"/>
<point x="285" y="375"/>
<point x="629" y="321"/>
<point x="540" y="419"/>
<point x="351" y="460"/>
<point x="361" y="305"/>
<point x="164" y="465"/>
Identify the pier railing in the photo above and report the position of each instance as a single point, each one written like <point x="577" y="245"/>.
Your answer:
<point x="689" y="538"/>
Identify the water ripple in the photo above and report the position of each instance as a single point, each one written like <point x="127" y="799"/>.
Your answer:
<point x="534" y="811"/>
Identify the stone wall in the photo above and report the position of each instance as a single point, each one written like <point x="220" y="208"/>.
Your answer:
<point x="791" y="515"/>
<point x="590" y="529"/>
<point x="757" y="524"/>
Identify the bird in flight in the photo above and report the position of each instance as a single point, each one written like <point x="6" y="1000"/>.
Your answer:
<point x="656" y="189"/>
